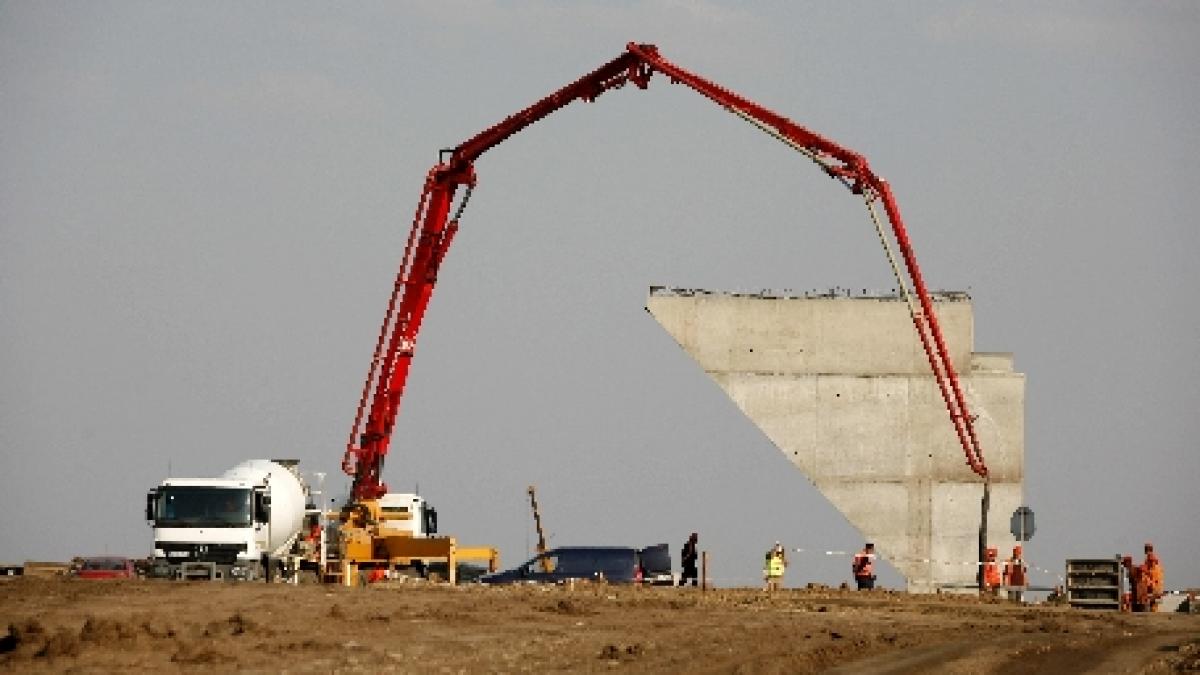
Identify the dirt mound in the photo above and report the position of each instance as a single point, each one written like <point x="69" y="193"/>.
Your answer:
<point x="62" y="642"/>
<point x="191" y="653"/>
<point x="108" y="631"/>
<point x="568" y="606"/>
<point x="151" y="626"/>
<point x="236" y="624"/>
<point x="612" y="652"/>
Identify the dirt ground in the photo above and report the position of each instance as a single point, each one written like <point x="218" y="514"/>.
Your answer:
<point x="72" y="625"/>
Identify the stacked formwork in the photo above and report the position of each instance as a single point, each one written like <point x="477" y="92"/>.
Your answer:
<point x="1095" y="583"/>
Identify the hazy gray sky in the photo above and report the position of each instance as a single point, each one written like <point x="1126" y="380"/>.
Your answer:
<point x="202" y="206"/>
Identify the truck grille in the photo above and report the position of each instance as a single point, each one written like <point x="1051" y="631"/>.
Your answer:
<point x="222" y="554"/>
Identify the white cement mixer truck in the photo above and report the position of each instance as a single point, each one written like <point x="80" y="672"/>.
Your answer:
<point x="235" y="527"/>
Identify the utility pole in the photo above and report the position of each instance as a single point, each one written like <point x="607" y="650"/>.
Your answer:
<point x="537" y="523"/>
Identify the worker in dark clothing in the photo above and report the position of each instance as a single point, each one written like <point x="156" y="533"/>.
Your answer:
<point x="863" y="568"/>
<point x="689" y="556"/>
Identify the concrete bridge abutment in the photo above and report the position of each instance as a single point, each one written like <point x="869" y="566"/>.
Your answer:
<point x="843" y="389"/>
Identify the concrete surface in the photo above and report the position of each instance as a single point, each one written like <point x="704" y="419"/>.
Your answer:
<point x="843" y="388"/>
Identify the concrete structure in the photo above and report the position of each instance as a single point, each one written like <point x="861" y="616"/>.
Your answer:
<point x="842" y="387"/>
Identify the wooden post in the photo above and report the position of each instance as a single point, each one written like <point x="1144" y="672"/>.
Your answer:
<point x="704" y="571"/>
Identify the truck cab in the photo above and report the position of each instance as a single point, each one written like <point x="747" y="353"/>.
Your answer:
<point x="403" y="513"/>
<point x="218" y="524"/>
<point x="229" y="527"/>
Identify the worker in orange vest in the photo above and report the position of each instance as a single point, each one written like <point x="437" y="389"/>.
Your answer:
<point x="1015" y="573"/>
<point x="1154" y="579"/>
<point x="314" y="535"/>
<point x="864" y="568"/>
<point x="991" y="572"/>
<point x="1145" y="581"/>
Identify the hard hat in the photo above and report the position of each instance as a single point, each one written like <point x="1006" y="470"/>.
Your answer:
<point x="1149" y="547"/>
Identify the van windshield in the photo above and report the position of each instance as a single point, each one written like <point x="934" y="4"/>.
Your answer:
<point x="199" y="506"/>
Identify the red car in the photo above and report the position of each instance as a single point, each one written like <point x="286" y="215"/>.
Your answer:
<point x="107" y="567"/>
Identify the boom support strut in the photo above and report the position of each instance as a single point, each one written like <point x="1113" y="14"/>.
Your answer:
<point x="433" y="230"/>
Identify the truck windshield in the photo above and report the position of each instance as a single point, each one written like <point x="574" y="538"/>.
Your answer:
<point x="190" y="506"/>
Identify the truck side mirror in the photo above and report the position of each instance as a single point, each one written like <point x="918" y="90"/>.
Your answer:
<point x="151" y="502"/>
<point x="430" y="520"/>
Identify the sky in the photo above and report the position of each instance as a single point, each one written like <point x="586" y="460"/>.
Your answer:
<point x="202" y="206"/>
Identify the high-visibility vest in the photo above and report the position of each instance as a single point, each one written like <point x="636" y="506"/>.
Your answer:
<point x="774" y="565"/>
<point x="991" y="575"/>
<point x="1014" y="572"/>
<point x="863" y="564"/>
<point x="1154" y="578"/>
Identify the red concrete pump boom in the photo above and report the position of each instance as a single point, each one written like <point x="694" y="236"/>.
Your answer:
<point x="433" y="230"/>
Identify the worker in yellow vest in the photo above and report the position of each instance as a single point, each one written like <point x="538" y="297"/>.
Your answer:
<point x="774" y="565"/>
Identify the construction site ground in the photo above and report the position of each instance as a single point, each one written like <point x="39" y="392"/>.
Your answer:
<point x="73" y="625"/>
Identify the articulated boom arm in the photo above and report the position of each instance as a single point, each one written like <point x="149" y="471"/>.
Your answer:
<point x="433" y="230"/>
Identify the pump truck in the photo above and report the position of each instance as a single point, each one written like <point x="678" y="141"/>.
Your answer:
<point x="434" y="228"/>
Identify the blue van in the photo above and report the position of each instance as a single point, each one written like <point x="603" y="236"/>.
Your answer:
<point x="615" y="564"/>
